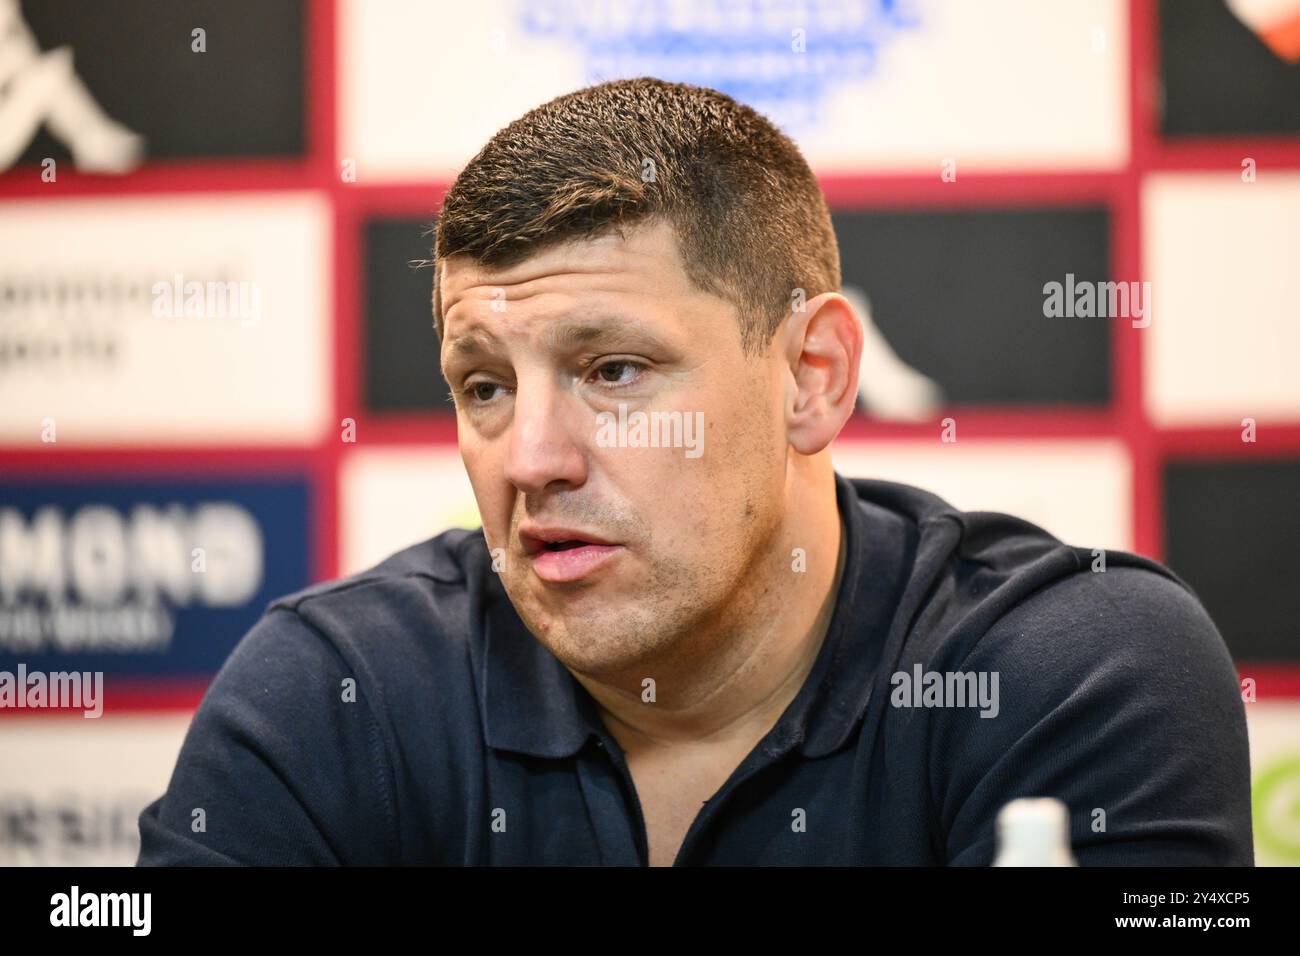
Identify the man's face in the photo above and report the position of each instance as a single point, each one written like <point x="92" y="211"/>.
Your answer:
<point x="614" y="552"/>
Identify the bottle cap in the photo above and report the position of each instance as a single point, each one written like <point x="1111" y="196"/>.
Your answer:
<point x="1034" y="831"/>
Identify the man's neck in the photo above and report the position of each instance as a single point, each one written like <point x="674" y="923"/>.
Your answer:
<point x="732" y="685"/>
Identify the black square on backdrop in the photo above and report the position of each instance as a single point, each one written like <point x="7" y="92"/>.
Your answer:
<point x="243" y="96"/>
<point x="401" y="351"/>
<point x="1231" y="529"/>
<point x="959" y="296"/>
<point x="1219" y="78"/>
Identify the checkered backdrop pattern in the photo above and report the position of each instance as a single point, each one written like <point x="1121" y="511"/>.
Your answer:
<point x="169" y="465"/>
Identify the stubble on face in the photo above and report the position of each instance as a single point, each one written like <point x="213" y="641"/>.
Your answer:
<point x="701" y="548"/>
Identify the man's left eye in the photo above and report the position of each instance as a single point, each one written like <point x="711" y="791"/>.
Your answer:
<point x="619" y="373"/>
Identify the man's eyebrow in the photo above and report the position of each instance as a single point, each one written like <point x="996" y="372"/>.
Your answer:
<point x="603" y="330"/>
<point x="469" y="345"/>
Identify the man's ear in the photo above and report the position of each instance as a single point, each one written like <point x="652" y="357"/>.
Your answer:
<point x="822" y="345"/>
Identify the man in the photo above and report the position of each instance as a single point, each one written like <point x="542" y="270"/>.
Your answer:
<point x="680" y="637"/>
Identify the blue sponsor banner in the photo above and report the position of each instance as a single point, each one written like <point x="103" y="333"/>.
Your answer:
<point x="150" y="578"/>
<point x="742" y="47"/>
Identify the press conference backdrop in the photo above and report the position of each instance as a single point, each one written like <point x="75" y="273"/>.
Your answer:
<point x="172" y="462"/>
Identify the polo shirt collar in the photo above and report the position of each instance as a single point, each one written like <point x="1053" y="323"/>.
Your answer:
<point x="533" y="705"/>
<point x="877" y="557"/>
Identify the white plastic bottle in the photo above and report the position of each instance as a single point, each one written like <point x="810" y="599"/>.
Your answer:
<point x="1034" y="832"/>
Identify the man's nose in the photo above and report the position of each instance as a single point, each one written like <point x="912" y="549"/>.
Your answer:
<point x="543" y="447"/>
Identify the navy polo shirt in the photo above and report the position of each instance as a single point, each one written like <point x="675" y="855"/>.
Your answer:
<point x="404" y="715"/>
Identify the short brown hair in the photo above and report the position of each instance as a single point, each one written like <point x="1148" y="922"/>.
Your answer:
<point x="750" y="220"/>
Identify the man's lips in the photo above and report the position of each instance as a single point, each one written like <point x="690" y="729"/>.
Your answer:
<point x="539" y="538"/>
<point x="565" y="554"/>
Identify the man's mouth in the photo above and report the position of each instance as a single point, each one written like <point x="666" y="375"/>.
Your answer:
<point x="561" y="555"/>
<point x="565" y="545"/>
